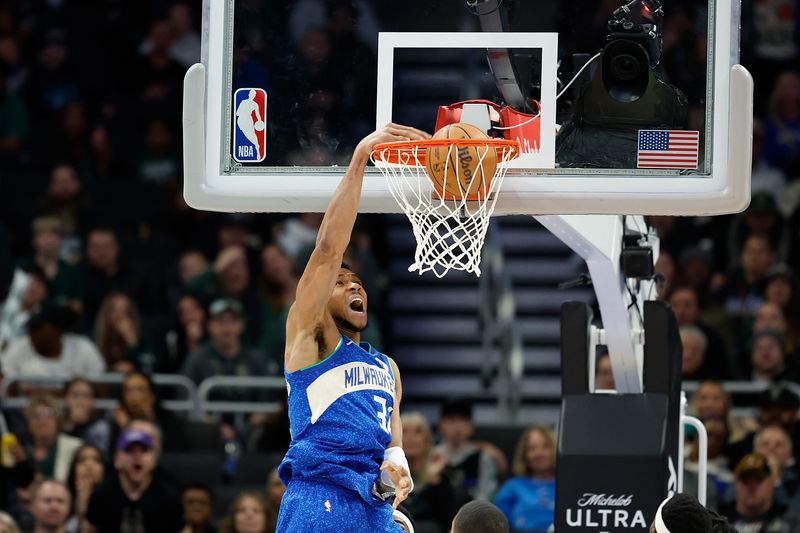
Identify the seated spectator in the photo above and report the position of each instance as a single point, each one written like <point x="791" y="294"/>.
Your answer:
<point x="118" y="334"/>
<point x="230" y="277"/>
<point x="189" y="332"/>
<point x="13" y="124"/>
<point x="275" y="491"/>
<point x="104" y="271"/>
<point x="65" y="285"/>
<point x="768" y="358"/>
<point x="50" y="449"/>
<point x="433" y="502"/>
<point x="774" y="443"/>
<point x="604" y="373"/>
<point x="665" y="265"/>
<point x="755" y="508"/>
<point x="198" y="509"/>
<point x="225" y="354"/>
<point x="744" y="291"/>
<point x="248" y="514"/>
<point x="49" y="351"/>
<point x="782" y="126"/>
<point x="279" y="284"/>
<point x="528" y="499"/>
<point x="720" y="477"/>
<point x="27" y="296"/>
<point x="86" y="473"/>
<point x="191" y="263"/>
<point x="695" y="365"/>
<point x="685" y="302"/>
<point x="7" y="523"/>
<point x="132" y="497"/>
<point x="468" y="466"/>
<point x="139" y="400"/>
<point x="479" y="517"/>
<point x="64" y="199"/>
<point x="15" y="475"/>
<point x="711" y="400"/>
<point x="50" y="506"/>
<point x="782" y="290"/>
<point x="770" y="317"/>
<point x="81" y="419"/>
<point x="185" y="47"/>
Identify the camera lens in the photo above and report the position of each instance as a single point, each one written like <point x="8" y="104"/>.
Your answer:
<point x="626" y="67"/>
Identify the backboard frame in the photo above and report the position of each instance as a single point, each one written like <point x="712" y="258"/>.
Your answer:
<point x="526" y="191"/>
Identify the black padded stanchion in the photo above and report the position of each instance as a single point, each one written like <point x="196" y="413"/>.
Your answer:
<point x="618" y="453"/>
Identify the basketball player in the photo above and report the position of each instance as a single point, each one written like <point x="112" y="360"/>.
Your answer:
<point x="346" y="458"/>
<point x="244" y="119"/>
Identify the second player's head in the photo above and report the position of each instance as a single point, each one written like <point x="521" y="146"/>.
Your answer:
<point x="348" y="303"/>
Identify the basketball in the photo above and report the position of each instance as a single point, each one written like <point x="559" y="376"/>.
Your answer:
<point x="458" y="171"/>
<point x="259" y="125"/>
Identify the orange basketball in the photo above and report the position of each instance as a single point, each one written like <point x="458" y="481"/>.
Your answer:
<point x="461" y="171"/>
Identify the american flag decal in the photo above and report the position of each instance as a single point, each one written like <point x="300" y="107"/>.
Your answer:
<point x="668" y="149"/>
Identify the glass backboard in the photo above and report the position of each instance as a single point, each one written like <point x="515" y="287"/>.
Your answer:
<point x="629" y="108"/>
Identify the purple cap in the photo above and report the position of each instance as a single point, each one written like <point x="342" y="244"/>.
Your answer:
<point x="134" y="436"/>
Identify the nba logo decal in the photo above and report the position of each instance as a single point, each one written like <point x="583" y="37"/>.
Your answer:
<point x="249" y="125"/>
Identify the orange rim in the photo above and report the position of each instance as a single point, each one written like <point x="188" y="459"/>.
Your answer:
<point x="390" y="152"/>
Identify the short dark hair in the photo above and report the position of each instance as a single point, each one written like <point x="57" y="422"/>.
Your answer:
<point x="347" y="266"/>
<point x="480" y="516"/>
<point x="685" y="514"/>
<point x="204" y="487"/>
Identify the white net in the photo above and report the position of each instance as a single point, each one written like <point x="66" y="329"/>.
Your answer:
<point x="449" y="228"/>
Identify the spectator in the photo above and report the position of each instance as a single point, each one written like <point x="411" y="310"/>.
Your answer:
<point x="118" y="335"/>
<point x="528" y="499"/>
<point x="720" y="477"/>
<point x="665" y="265"/>
<point x="50" y="506"/>
<point x="133" y="498"/>
<point x="778" y="406"/>
<point x="248" y="514"/>
<point x="782" y="126"/>
<point x="198" y="509"/>
<point x="189" y="332"/>
<point x="225" y="354"/>
<point x="64" y="200"/>
<point x="48" y="351"/>
<point x="139" y="400"/>
<point x="51" y="449"/>
<point x="768" y="358"/>
<point x="230" y="278"/>
<point x="744" y="291"/>
<point x="191" y="264"/>
<point x="63" y="279"/>
<point x="297" y="236"/>
<point x="7" y="523"/>
<point x="685" y="302"/>
<point x="275" y="491"/>
<point x="755" y="508"/>
<point x="13" y="123"/>
<point x="86" y="473"/>
<point x="711" y="400"/>
<point x="468" y="466"/>
<point x="27" y="296"/>
<point x="774" y="443"/>
<point x="159" y="162"/>
<point x="17" y="474"/>
<point x="695" y="363"/>
<point x="82" y="420"/>
<point x="279" y="287"/>
<point x="604" y="373"/>
<point x="185" y="48"/>
<point x="434" y="501"/>
<point x="480" y="517"/>
<point x="782" y="291"/>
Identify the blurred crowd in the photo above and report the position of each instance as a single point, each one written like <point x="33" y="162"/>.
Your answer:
<point x="104" y="269"/>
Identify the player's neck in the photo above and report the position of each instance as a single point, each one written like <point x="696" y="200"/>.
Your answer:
<point x="354" y="336"/>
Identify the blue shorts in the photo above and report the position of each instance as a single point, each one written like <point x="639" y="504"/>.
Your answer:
<point x="311" y="506"/>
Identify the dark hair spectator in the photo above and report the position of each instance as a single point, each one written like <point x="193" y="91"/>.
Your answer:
<point x="119" y="337"/>
<point x="81" y="419"/>
<point x="604" y="373"/>
<point x="48" y="446"/>
<point x="198" y="509"/>
<point x="86" y="473"/>
<point x="275" y="491"/>
<point x="189" y="332"/>
<point x="528" y="499"/>
<point x="248" y="514"/>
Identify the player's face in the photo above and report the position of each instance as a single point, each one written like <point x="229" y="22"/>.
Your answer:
<point x="348" y="303"/>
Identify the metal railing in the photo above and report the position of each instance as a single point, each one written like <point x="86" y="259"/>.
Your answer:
<point x="205" y="404"/>
<point x="500" y="329"/>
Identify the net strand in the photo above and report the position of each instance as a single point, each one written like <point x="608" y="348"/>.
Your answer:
<point x="450" y="232"/>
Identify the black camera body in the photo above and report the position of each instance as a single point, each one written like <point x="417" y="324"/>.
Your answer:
<point x="645" y="35"/>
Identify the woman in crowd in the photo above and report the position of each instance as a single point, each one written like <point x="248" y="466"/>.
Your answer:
<point x="81" y="418"/>
<point x="528" y="499"/>
<point x="278" y="286"/>
<point x="275" y="491"/>
<point x="189" y="331"/>
<point x="7" y="523"/>
<point x="139" y="400"/>
<point x="86" y="472"/>
<point x="248" y="514"/>
<point x="50" y="449"/>
<point x="434" y="501"/>
<point x="118" y="335"/>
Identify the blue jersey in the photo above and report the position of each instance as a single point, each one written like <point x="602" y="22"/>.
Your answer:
<point x="340" y="419"/>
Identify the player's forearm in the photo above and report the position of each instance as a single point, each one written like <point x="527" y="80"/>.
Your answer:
<point x="337" y="225"/>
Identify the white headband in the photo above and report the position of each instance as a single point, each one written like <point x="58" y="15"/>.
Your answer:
<point x="661" y="527"/>
<point x="403" y="519"/>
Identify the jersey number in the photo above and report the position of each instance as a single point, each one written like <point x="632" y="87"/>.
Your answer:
<point x="384" y="415"/>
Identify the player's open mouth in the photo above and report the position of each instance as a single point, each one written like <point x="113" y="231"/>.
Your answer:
<point x="357" y="305"/>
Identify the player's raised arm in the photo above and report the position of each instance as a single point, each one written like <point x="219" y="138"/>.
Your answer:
<point x="310" y="330"/>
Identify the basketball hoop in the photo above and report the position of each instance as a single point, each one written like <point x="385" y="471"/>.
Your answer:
<point x="449" y="215"/>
